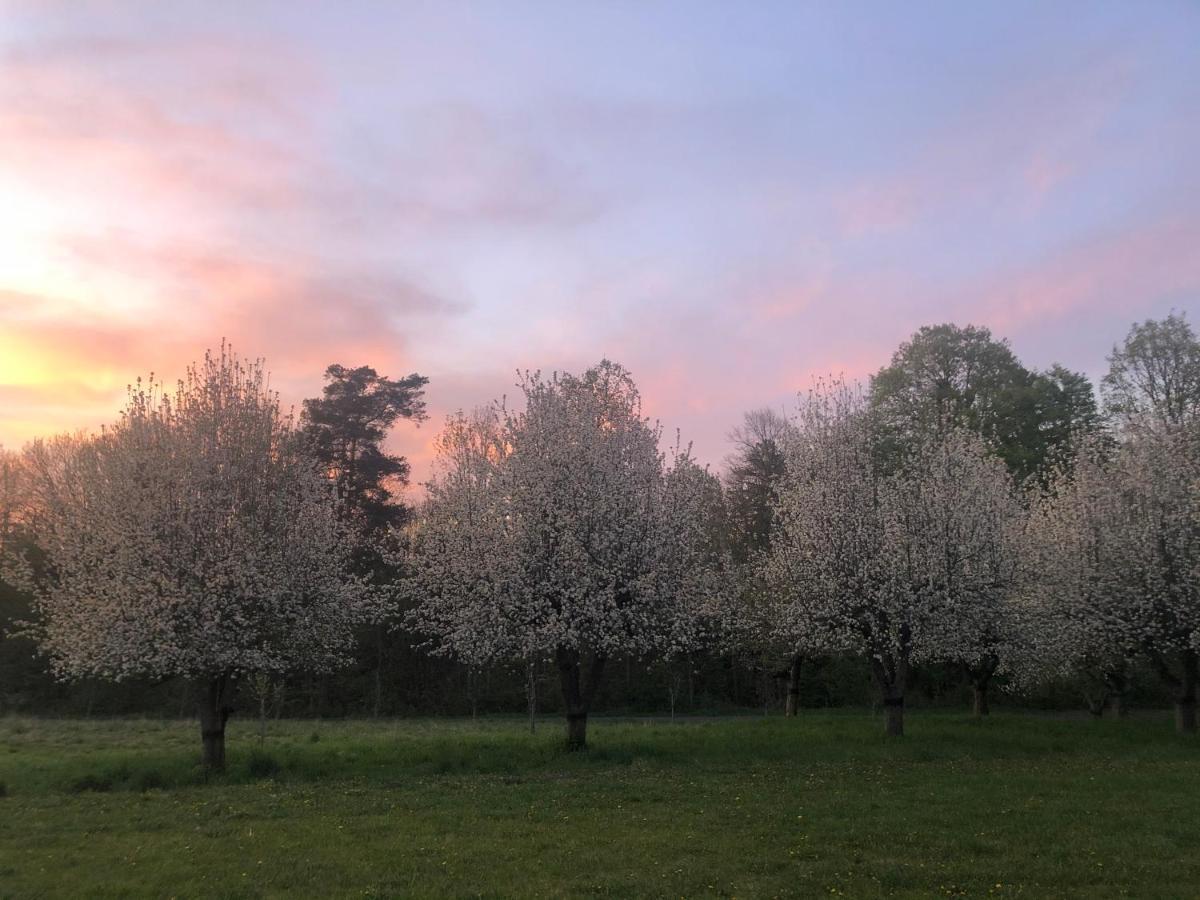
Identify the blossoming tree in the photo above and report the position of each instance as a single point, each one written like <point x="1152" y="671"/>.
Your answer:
<point x="900" y="560"/>
<point x="559" y="531"/>
<point x="193" y="538"/>
<point x="1115" y="546"/>
<point x="751" y="615"/>
<point x="965" y="511"/>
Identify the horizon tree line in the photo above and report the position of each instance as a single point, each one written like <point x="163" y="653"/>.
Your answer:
<point x="959" y="511"/>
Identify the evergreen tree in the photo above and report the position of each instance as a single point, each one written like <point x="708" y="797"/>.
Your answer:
<point x="347" y="426"/>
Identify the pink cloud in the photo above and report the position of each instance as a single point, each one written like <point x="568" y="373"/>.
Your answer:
<point x="1114" y="273"/>
<point x="217" y="183"/>
<point x="1014" y="147"/>
<point x="108" y="116"/>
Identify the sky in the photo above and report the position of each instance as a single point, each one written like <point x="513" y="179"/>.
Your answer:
<point x="727" y="198"/>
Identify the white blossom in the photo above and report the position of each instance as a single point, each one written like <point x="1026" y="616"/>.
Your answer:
<point x="559" y="530"/>
<point x="192" y="538"/>
<point x="903" y="559"/>
<point x="1114" y="546"/>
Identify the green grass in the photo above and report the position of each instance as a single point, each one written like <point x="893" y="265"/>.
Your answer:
<point x="824" y="805"/>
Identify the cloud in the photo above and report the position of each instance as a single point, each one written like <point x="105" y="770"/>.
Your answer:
<point x="727" y="230"/>
<point x="1118" y="272"/>
<point x="70" y="370"/>
<point x="242" y="134"/>
<point x="186" y="123"/>
<point x="366" y="297"/>
<point x="1009" y="148"/>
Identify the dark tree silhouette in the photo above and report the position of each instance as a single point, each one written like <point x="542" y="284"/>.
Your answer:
<point x="754" y="471"/>
<point x="347" y="426"/>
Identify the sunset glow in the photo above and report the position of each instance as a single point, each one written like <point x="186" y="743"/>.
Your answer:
<point x="728" y="199"/>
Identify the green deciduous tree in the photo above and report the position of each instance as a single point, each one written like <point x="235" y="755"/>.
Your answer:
<point x="947" y="376"/>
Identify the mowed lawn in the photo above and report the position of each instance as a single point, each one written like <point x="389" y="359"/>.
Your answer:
<point x="1020" y="805"/>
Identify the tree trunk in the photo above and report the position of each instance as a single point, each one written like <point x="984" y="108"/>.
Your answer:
<point x="315" y="684"/>
<point x="576" y="731"/>
<point x="980" y="705"/>
<point x="531" y="695"/>
<point x="1185" y="716"/>
<point x="214" y="713"/>
<point x="892" y="677"/>
<point x="184" y="697"/>
<point x="264" y="696"/>
<point x="1185" y="688"/>
<point x="792" y="704"/>
<point x="378" y="702"/>
<point x="1185" y="703"/>
<point x="1116" y="706"/>
<point x="980" y="675"/>
<point x="577" y="693"/>
<point x="1116" y="682"/>
<point x="893" y="709"/>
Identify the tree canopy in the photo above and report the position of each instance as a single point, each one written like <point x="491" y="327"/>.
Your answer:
<point x="1153" y="378"/>
<point x="347" y="426"/>
<point x="947" y="376"/>
<point x="194" y="537"/>
<point x="559" y="531"/>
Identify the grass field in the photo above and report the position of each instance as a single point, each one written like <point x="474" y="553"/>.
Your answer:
<point x="823" y="805"/>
